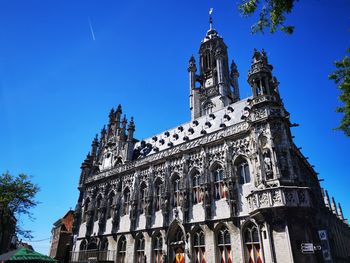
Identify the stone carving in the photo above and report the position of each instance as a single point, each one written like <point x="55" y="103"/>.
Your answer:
<point x="241" y="147"/>
<point x="280" y="196"/>
<point x="184" y="205"/>
<point x="133" y="214"/>
<point x="289" y="196"/>
<point x="267" y="164"/>
<point x="207" y="201"/>
<point x="260" y="114"/>
<point x="263" y="199"/>
<point x="276" y="197"/>
<point x="302" y="197"/>
<point x="116" y="215"/>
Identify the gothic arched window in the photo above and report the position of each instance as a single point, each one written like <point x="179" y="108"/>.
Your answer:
<point x="110" y="204"/>
<point x="158" y="194"/>
<point x="176" y="189"/>
<point x="224" y="245"/>
<point x="243" y="172"/>
<point x="97" y="207"/>
<point x="220" y="187"/>
<point x="126" y="201"/>
<point x="207" y="60"/>
<point x="80" y="256"/>
<point x="121" y="257"/>
<point x="196" y="197"/>
<point x="83" y="245"/>
<point x="143" y="195"/>
<point x="140" y="250"/>
<point x="199" y="246"/>
<point x="252" y="247"/>
<point x="157" y="249"/>
<point x="176" y="238"/>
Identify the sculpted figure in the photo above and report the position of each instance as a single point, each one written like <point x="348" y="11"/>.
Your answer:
<point x="267" y="161"/>
<point x="225" y="191"/>
<point x="201" y="195"/>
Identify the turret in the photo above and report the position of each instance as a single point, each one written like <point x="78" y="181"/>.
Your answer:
<point x="103" y="135"/>
<point x="234" y="75"/>
<point x="131" y="129"/>
<point x="327" y="200"/>
<point x="192" y="69"/>
<point x="123" y="129"/>
<point x="334" y="206"/>
<point x="260" y="75"/>
<point x="118" y="114"/>
<point x="111" y="124"/>
<point x="324" y="197"/>
<point x="340" y="212"/>
<point x="94" y="147"/>
<point x="85" y="169"/>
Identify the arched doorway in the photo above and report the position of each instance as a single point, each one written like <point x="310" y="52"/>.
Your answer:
<point x="176" y="245"/>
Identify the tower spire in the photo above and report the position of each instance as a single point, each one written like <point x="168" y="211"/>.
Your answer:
<point x="211" y="18"/>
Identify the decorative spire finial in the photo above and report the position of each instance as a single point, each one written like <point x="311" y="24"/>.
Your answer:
<point x="211" y="18"/>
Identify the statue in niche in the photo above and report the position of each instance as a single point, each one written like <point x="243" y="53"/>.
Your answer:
<point x="148" y="213"/>
<point x="201" y="195"/>
<point x="116" y="217"/>
<point x="225" y="191"/>
<point x="165" y="202"/>
<point x="185" y="206"/>
<point x="207" y="201"/>
<point x="146" y="207"/>
<point x="181" y="200"/>
<point x="268" y="164"/>
<point x="232" y="197"/>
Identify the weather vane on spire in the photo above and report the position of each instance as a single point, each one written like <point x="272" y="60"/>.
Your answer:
<point x="210" y="18"/>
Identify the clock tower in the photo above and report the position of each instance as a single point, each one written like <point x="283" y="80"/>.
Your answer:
<point x="218" y="87"/>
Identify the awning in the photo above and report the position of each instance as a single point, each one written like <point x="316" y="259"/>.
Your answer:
<point x="25" y="255"/>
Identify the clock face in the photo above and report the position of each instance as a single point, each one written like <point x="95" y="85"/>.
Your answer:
<point x="208" y="82"/>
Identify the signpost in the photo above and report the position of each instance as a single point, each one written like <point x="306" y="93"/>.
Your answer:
<point x="307" y="248"/>
<point x="310" y="248"/>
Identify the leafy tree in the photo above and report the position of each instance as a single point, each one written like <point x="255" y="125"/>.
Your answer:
<point x="272" y="14"/>
<point x="17" y="196"/>
<point x="341" y="77"/>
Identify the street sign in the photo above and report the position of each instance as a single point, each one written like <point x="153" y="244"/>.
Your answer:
<point x="307" y="248"/>
<point x="322" y="234"/>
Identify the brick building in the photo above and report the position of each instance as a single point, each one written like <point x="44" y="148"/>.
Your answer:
<point x="61" y="237"/>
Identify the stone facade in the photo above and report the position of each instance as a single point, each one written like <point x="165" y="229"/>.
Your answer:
<point x="228" y="186"/>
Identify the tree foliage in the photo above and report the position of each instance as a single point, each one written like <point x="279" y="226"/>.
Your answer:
<point x="341" y="77"/>
<point x="17" y="197"/>
<point x="271" y="15"/>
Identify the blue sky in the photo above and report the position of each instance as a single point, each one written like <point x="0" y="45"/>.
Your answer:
<point x="58" y="84"/>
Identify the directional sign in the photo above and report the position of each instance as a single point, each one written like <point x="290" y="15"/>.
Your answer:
<point x="307" y="248"/>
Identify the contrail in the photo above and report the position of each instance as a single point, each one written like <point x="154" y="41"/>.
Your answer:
<point x="92" y="30"/>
